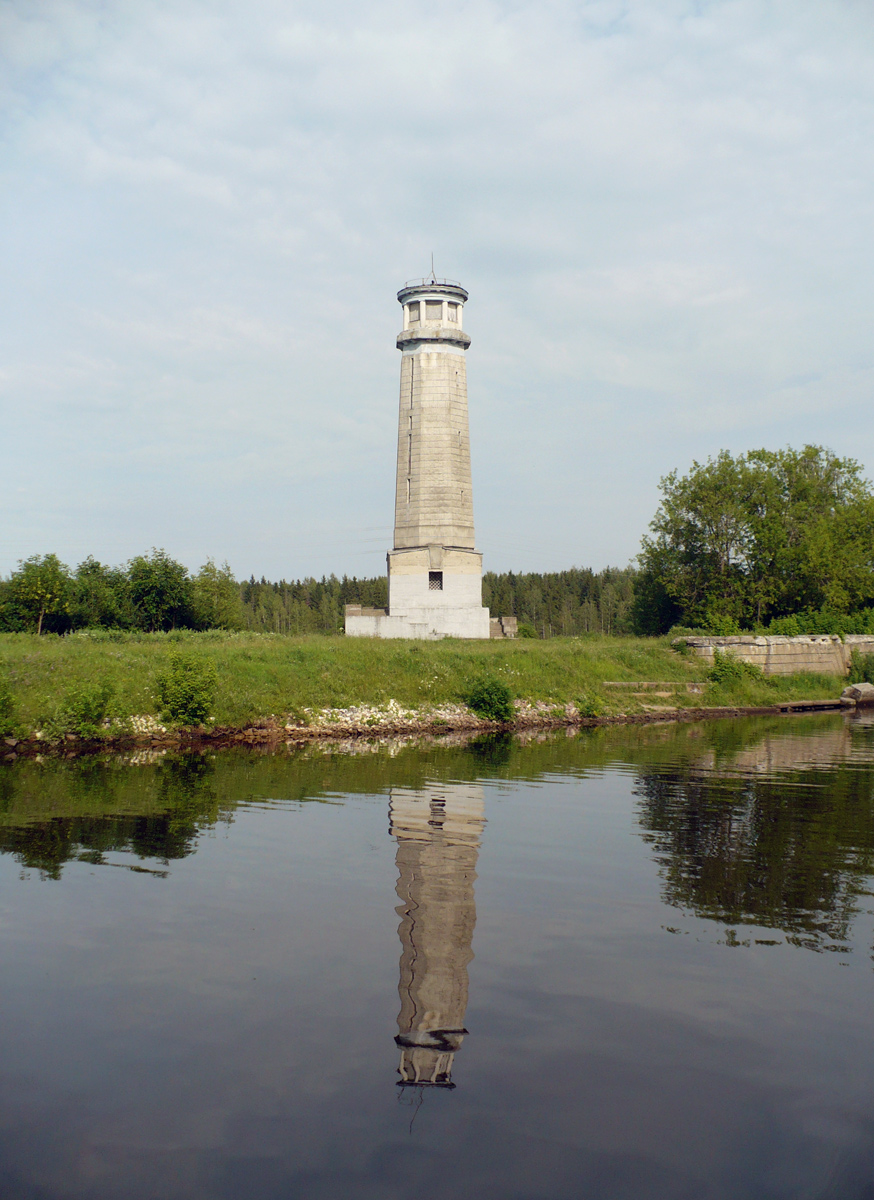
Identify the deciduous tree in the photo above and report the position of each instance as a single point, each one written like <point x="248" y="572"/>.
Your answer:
<point x="756" y="536"/>
<point x="162" y="591"/>
<point x="40" y="588"/>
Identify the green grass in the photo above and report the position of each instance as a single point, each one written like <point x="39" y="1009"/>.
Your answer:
<point x="260" y="675"/>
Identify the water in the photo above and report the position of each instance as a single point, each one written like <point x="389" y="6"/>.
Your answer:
<point x="630" y="963"/>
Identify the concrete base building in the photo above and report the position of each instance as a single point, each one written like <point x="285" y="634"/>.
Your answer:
<point x="434" y="570"/>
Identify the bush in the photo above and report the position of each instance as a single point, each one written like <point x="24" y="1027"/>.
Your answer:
<point x="822" y="620"/>
<point x="786" y="627"/>
<point x="861" y="668"/>
<point x="526" y="631"/>
<point x="186" y="689"/>
<point x="727" y="668"/>
<point x="7" y="709"/>
<point x="590" y="706"/>
<point x="492" y="700"/>
<point x="722" y="626"/>
<point x="82" y="711"/>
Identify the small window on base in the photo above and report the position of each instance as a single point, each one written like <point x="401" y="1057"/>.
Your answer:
<point x="435" y="581"/>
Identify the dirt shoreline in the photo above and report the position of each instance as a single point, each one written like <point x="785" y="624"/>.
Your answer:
<point x="270" y="733"/>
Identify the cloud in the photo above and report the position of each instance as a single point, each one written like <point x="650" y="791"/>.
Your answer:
<point x="662" y="213"/>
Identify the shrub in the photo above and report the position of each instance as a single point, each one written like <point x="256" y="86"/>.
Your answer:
<point x="861" y="668"/>
<point x="786" y="626"/>
<point x="526" y="631"/>
<point x="727" y="668"/>
<point x="82" y="711"/>
<point x="823" y="620"/>
<point x="186" y="689"/>
<point x="722" y="626"/>
<point x="492" y="700"/>
<point x="7" y="709"/>
<point x="590" y="706"/>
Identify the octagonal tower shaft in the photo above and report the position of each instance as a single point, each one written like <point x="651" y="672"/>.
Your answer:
<point x="433" y="496"/>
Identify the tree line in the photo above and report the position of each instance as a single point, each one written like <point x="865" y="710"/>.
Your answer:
<point x="151" y="592"/>
<point x="154" y="592"/>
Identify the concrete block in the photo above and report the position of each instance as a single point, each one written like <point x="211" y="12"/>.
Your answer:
<point x="823" y="654"/>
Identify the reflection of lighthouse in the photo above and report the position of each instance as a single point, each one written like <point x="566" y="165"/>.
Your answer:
<point x="438" y="832"/>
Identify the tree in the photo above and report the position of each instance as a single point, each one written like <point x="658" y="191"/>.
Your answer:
<point x="40" y="588"/>
<point x="102" y="597"/>
<point x="761" y="535"/>
<point x="216" y="598"/>
<point x="161" y="590"/>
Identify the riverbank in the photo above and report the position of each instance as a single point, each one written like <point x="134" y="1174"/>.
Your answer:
<point x="273" y="688"/>
<point x="269" y="735"/>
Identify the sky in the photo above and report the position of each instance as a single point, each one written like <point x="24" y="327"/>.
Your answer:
<point x="662" y="211"/>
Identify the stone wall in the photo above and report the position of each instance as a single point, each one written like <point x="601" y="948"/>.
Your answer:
<point x="822" y="654"/>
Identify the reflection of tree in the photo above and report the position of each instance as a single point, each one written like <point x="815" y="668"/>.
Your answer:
<point x="492" y="750"/>
<point x="788" y="851"/>
<point x="183" y="802"/>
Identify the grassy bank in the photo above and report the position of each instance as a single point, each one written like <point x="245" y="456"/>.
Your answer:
<point x="267" y="675"/>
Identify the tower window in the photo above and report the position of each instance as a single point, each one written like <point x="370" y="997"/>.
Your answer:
<point x="433" y="310"/>
<point x="452" y="312"/>
<point x="414" y="311"/>
<point x="435" y="581"/>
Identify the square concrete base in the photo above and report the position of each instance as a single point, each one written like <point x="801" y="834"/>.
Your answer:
<point x="427" y="623"/>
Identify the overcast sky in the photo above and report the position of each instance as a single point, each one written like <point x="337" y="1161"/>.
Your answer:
<point x="662" y="211"/>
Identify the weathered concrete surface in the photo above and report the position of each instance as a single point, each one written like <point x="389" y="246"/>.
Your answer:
<point x="426" y="623"/>
<point x="822" y="654"/>
<point x="409" y="586"/>
<point x="433" y="496"/>
<point x="860" y="693"/>
<point x="434" y="571"/>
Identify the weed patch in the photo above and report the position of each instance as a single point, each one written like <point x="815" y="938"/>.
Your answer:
<point x="7" y="709"/>
<point x="861" y="668"/>
<point x="727" y="668"/>
<point x="83" y="712"/>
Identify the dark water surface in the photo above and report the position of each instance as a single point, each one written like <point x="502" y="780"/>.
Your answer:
<point x="630" y="963"/>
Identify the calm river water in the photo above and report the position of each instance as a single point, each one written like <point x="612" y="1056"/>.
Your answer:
<point x="627" y="963"/>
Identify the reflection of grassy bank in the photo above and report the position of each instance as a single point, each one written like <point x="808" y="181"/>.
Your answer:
<point x="156" y="806"/>
<point x="263" y="675"/>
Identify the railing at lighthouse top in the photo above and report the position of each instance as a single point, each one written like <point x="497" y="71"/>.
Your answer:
<point x="430" y="279"/>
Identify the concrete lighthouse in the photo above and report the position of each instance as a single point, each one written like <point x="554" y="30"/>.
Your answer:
<point x="434" y="569"/>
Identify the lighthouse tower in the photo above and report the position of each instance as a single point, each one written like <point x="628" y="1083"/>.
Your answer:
<point x="434" y="570"/>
